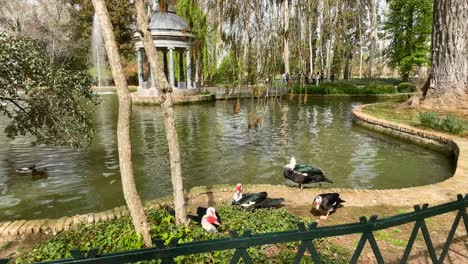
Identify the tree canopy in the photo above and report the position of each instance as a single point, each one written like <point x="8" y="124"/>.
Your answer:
<point x="52" y="102"/>
<point x="409" y="29"/>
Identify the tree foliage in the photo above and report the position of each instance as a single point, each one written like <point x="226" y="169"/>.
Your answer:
<point x="408" y="28"/>
<point x="51" y="102"/>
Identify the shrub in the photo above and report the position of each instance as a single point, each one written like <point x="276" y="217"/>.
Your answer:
<point x="341" y="86"/>
<point x="429" y="119"/>
<point x="374" y="81"/>
<point x="379" y="89"/>
<point x="452" y="124"/>
<point x="228" y="71"/>
<point x="406" y="87"/>
<point x="448" y="123"/>
<point x="118" y="235"/>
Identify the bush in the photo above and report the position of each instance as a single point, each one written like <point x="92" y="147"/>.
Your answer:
<point x="367" y="81"/>
<point x="406" y="87"/>
<point x="449" y="123"/>
<point x="339" y="88"/>
<point x="228" y="72"/>
<point x="380" y="89"/>
<point x="429" y="119"/>
<point x="452" y="124"/>
<point x="118" y="235"/>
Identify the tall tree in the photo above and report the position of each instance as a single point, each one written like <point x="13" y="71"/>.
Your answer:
<point x="447" y="87"/>
<point x="132" y="199"/>
<point x="165" y="92"/>
<point x="408" y="29"/>
<point x="373" y="37"/>
<point x="287" y="68"/>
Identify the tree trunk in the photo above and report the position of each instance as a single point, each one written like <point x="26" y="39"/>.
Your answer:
<point x="310" y="33"/>
<point x="165" y="92"/>
<point x="286" y="38"/>
<point x="448" y="83"/>
<point x="360" y="37"/>
<point x="132" y="199"/>
<point x="319" y="42"/>
<point x="373" y="37"/>
<point x="246" y="40"/>
<point x="347" y="67"/>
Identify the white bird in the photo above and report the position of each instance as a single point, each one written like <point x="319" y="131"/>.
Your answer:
<point x="209" y="220"/>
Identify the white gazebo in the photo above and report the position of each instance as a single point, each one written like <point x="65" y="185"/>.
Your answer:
<point x="172" y="38"/>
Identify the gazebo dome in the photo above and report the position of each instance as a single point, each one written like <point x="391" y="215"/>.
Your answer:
<point x="167" y="21"/>
<point x="168" y="30"/>
<point x="172" y="38"/>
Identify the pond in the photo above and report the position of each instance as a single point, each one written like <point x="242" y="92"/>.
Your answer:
<point x="217" y="147"/>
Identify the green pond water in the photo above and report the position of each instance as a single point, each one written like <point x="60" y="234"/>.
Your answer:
<point x="217" y="147"/>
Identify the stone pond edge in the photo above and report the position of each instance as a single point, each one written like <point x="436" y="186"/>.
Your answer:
<point x="434" y="193"/>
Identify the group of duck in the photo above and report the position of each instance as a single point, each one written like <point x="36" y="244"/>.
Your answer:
<point x="324" y="204"/>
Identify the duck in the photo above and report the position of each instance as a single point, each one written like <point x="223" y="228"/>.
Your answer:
<point x="303" y="174"/>
<point x="254" y="200"/>
<point x="209" y="221"/>
<point x="24" y="170"/>
<point x="207" y="217"/>
<point x="202" y="211"/>
<point x="326" y="203"/>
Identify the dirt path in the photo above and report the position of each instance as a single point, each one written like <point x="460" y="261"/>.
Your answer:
<point x="392" y="241"/>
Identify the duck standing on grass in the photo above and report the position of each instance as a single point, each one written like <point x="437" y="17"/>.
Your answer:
<point x="326" y="203"/>
<point x="303" y="174"/>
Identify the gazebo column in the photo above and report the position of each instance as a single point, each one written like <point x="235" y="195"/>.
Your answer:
<point x="140" y="68"/>
<point x="197" y="69"/>
<point x="171" y="66"/>
<point x="189" y="69"/>
<point x="166" y="72"/>
<point x="181" y="66"/>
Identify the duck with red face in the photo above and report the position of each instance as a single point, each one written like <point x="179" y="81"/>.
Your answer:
<point x="210" y="221"/>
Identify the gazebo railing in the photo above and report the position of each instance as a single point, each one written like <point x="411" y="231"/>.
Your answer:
<point x="303" y="234"/>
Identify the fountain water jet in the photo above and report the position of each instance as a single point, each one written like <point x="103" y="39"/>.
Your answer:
<point x="99" y="63"/>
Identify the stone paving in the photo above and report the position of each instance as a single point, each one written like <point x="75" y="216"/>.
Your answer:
<point x="433" y="194"/>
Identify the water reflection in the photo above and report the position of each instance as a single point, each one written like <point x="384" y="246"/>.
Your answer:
<point x="216" y="147"/>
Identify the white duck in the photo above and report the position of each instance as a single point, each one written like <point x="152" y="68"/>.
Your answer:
<point x="209" y="220"/>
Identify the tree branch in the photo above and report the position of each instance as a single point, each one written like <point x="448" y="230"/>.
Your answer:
<point x="13" y="100"/>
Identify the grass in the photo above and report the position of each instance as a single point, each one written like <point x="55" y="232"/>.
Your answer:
<point x="118" y="235"/>
<point x="388" y="236"/>
<point x="390" y="111"/>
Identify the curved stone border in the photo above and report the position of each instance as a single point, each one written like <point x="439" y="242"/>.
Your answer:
<point x="433" y="194"/>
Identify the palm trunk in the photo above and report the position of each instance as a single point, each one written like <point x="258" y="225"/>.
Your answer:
<point x="165" y="92"/>
<point x="132" y="199"/>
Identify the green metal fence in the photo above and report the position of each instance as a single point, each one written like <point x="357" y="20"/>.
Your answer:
<point x="304" y="234"/>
